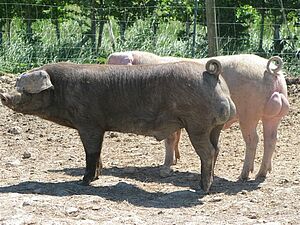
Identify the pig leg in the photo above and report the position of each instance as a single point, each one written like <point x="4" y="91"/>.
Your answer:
<point x="177" y="154"/>
<point x="275" y="109"/>
<point x="171" y="153"/>
<point x="92" y="143"/>
<point x="248" y="128"/>
<point x="214" y="138"/>
<point x="270" y="127"/>
<point x="207" y="153"/>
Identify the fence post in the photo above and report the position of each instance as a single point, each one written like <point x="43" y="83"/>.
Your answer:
<point x="194" y="28"/>
<point x="211" y="28"/>
<point x="111" y="35"/>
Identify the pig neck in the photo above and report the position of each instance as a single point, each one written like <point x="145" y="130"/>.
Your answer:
<point x="55" y="112"/>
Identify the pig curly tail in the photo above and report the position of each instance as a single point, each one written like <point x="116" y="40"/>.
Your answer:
<point x="278" y="63"/>
<point x="214" y="67"/>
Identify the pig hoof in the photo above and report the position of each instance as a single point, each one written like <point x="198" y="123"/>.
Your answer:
<point x="87" y="180"/>
<point x="260" y="179"/>
<point x="205" y="186"/>
<point x="84" y="183"/>
<point x="261" y="175"/>
<point x="165" y="172"/>
<point x="206" y="182"/>
<point x="243" y="178"/>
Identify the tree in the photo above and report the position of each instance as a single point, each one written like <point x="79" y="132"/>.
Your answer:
<point x="55" y="12"/>
<point x="7" y="12"/>
<point x="279" y="12"/>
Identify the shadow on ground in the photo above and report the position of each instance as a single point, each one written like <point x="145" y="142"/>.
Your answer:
<point x="123" y="191"/>
<point x="120" y="191"/>
<point x="181" y="179"/>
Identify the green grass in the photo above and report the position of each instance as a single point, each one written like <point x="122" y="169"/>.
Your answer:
<point x="18" y="54"/>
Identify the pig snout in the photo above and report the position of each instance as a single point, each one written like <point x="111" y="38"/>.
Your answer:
<point x="4" y="98"/>
<point x="10" y="100"/>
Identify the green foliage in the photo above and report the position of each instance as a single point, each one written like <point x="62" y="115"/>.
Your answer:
<point x="141" y="37"/>
<point x="36" y="32"/>
<point x="19" y="55"/>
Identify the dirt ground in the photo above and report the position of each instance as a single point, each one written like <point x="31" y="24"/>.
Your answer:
<point x="41" y="164"/>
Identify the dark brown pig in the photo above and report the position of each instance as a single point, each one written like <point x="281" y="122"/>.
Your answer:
<point x="257" y="88"/>
<point x="141" y="100"/>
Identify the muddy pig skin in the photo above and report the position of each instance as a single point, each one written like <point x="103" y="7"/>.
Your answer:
<point x="152" y="100"/>
<point x="257" y="88"/>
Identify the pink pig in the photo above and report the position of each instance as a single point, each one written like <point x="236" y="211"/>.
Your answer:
<point x="259" y="91"/>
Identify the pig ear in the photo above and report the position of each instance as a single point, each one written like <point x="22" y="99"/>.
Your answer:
<point x="214" y="67"/>
<point x="34" y="82"/>
<point x="278" y="65"/>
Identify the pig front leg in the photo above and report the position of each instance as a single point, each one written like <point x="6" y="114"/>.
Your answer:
<point x="92" y="143"/>
<point x="171" y="153"/>
<point x="207" y="153"/>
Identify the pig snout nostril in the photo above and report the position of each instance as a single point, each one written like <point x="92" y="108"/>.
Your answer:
<point x="3" y="98"/>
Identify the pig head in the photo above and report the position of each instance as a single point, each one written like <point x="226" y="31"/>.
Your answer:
<point x="98" y="98"/>
<point x="259" y="91"/>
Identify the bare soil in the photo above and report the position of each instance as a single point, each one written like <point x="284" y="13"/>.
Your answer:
<point x="41" y="164"/>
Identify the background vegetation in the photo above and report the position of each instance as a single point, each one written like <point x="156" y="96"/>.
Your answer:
<point x="35" y="32"/>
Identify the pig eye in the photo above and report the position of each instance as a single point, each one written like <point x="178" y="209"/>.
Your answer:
<point x="24" y="92"/>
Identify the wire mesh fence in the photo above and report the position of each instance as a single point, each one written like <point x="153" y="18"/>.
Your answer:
<point x="34" y="34"/>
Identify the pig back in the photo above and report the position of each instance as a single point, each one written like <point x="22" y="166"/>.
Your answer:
<point x="147" y="99"/>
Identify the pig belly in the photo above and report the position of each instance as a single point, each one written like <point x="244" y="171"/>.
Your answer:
<point x="159" y="127"/>
<point x="159" y="133"/>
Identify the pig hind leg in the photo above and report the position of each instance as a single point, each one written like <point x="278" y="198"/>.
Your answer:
<point x="207" y="153"/>
<point x="276" y="108"/>
<point x="92" y="143"/>
<point x="270" y="127"/>
<point x="248" y="128"/>
<point x="176" y="149"/>
<point x="214" y="138"/>
<point x="171" y="153"/>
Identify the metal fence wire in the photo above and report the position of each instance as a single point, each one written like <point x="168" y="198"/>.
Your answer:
<point x="33" y="34"/>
